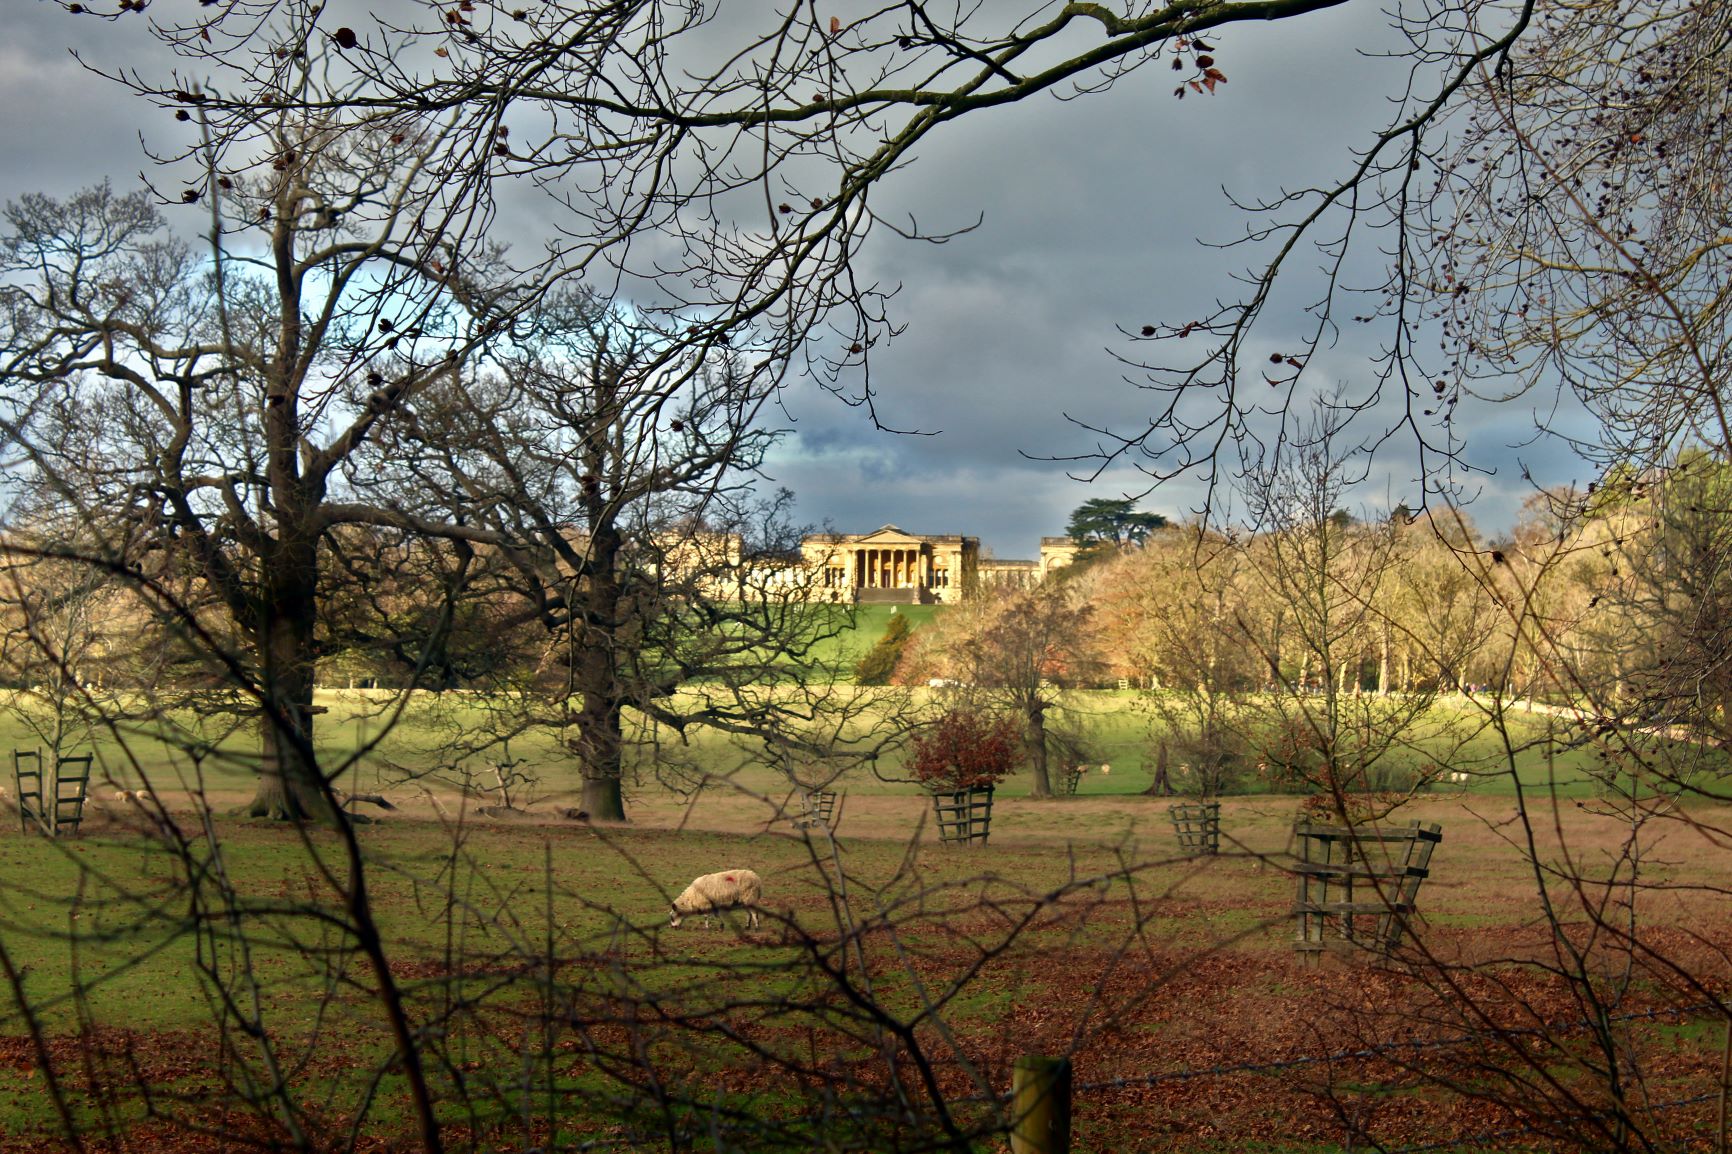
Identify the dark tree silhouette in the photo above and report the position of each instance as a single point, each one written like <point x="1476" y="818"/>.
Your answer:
<point x="1114" y="521"/>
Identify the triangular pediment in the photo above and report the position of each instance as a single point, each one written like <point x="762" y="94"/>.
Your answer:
<point x="888" y="535"/>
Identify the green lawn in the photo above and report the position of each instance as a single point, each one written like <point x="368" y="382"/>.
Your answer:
<point x="121" y="935"/>
<point x="1118" y="729"/>
<point x="861" y="631"/>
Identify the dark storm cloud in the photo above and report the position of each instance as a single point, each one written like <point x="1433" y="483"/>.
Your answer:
<point x="1091" y="209"/>
<point x="63" y="127"/>
<point x="1092" y="214"/>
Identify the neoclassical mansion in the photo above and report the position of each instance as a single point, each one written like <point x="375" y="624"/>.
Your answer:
<point x="891" y="565"/>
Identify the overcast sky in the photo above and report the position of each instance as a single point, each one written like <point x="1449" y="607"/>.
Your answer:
<point x="1093" y="210"/>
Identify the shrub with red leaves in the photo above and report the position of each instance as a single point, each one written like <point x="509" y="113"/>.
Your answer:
<point x="966" y="750"/>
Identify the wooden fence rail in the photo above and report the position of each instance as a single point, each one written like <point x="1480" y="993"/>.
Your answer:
<point x="53" y="804"/>
<point x="817" y="809"/>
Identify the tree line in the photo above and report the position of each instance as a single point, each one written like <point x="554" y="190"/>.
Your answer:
<point x="1311" y="653"/>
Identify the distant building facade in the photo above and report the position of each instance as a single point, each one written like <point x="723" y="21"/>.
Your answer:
<point x="1003" y="573"/>
<point x="891" y="565"/>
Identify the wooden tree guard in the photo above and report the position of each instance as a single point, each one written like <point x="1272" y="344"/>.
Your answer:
<point x="60" y="805"/>
<point x="27" y="780"/>
<point x="817" y="808"/>
<point x="1386" y="866"/>
<point x="1198" y="825"/>
<point x="964" y="816"/>
<point x="71" y="787"/>
<point x="1069" y="778"/>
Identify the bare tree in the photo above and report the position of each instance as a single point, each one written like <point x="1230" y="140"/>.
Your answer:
<point x="1673" y="586"/>
<point x="1581" y="235"/>
<point x="204" y="412"/>
<point x="751" y="151"/>
<point x="60" y="643"/>
<point x="1323" y="636"/>
<point x="626" y="481"/>
<point x="751" y="147"/>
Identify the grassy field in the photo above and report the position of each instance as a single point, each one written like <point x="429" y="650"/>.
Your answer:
<point x="1119" y="729"/>
<point x="219" y="964"/>
<point x="868" y="625"/>
<point x="536" y="961"/>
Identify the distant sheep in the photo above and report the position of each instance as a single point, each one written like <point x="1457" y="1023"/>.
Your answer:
<point x="720" y="891"/>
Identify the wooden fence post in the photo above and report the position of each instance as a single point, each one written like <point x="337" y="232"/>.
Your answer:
<point x="1040" y="1106"/>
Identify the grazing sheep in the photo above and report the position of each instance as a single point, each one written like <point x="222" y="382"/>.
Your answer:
<point x="720" y="891"/>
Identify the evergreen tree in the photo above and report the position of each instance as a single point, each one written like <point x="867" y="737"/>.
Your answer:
<point x="1104" y="519"/>
<point x="880" y="661"/>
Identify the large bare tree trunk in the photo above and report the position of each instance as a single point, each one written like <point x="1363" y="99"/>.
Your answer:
<point x="291" y="785"/>
<point x="596" y="677"/>
<point x="600" y="738"/>
<point x="602" y="799"/>
<point x="288" y="788"/>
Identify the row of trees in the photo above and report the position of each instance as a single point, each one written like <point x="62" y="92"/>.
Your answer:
<point x="1314" y="649"/>
<point x="347" y="365"/>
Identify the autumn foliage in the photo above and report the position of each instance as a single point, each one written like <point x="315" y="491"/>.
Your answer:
<point x="966" y="750"/>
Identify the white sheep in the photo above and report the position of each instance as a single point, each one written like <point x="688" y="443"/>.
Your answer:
<point x="720" y="891"/>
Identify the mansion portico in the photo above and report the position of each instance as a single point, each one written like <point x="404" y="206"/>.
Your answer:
<point x="890" y="565"/>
